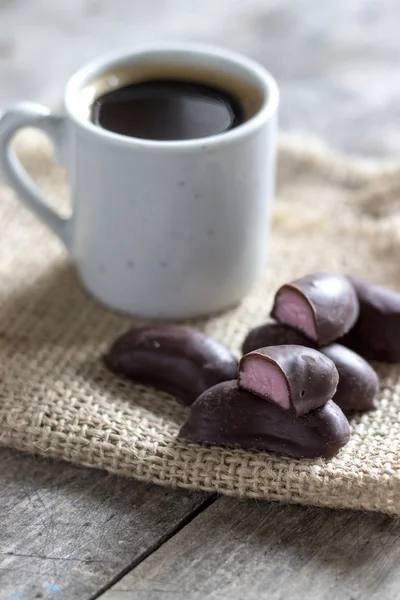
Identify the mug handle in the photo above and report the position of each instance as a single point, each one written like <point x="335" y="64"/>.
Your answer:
<point x="29" y="114"/>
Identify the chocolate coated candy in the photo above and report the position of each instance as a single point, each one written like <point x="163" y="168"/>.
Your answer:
<point x="176" y="359"/>
<point x="376" y="334"/>
<point x="358" y="382"/>
<point x="295" y="378"/>
<point x="321" y="305"/>
<point x="227" y="415"/>
<point x="274" y="334"/>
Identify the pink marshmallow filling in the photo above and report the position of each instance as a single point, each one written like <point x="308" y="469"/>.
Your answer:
<point x="264" y="379"/>
<point x="292" y="309"/>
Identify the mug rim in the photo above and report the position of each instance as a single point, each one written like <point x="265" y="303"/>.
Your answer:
<point x="267" y="83"/>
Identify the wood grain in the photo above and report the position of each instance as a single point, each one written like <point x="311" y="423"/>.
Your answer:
<point x="68" y="532"/>
<point x="254" y="551"/>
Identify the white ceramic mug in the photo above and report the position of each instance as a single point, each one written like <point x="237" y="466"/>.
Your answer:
<point x="165" y="229"/>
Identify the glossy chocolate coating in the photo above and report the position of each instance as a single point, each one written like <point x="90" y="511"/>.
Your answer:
<point x="173" y="358"/>
<point x="358" y="382"/>
<point x="274" y="334"/>
<point x="332" y="300"/>
<point x="376" y="334"/>
<point x="228" y="415"/>
<point x="311" y="377"/>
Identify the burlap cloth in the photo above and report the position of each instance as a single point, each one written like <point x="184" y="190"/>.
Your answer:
<point x="57" y="399"/>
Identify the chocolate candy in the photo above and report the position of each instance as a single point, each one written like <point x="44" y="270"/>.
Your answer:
<point x="376" y="334"/>
<point x="358" y="382"/>
<point x="176" y="359"/>
<point x="228" y="415"/>
<point x="321" y="305"/>
<point x="274" y="334"/>
<point x="295" y="378"/>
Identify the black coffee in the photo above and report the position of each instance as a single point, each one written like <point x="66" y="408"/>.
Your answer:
<point x="167" y="109"/>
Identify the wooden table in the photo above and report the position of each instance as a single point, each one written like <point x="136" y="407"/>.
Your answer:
<point x="69" y="533"/>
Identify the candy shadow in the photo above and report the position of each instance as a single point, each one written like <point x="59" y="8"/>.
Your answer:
<point x="53" y="316"/>
<point x="111" y="388"/>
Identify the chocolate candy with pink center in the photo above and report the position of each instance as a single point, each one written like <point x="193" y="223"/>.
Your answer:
<point x="323" y="306"/>
<point x="295" y="378"/>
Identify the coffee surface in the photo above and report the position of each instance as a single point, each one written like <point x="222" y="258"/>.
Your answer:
<point x="167" y="109"/>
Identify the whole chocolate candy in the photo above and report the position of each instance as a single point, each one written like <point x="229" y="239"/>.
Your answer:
<point x="274" y="334"/>
<point x="173" y="358"/>
<point x="227" y="415"/>
<point x="295" y="378"/>
<point x="321" y="305"/>
<point x="358" y="382"/>
<point x="376" y="334"/>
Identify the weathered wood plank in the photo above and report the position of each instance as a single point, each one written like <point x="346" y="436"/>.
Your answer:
<point x="254" y="551"/>
<point x="67" y="532"/>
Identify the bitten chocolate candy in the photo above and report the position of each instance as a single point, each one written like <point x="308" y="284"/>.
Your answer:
<point x="358" y="382"/>
<point x="295" y="378"/>
<point x="274" y="334"/>
<point x="376" y="334"/>
<point x="176" y="359"/>
<point x="227" y="415"/>
<point x="321" y="305"/>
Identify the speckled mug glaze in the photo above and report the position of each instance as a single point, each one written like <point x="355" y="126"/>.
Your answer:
<point x="159" y="229"/>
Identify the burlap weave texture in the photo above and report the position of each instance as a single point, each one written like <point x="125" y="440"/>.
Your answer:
<point x="57" y="400"/>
